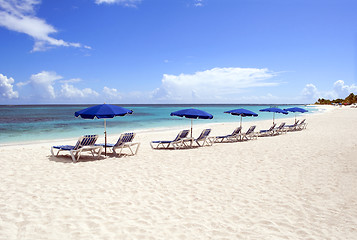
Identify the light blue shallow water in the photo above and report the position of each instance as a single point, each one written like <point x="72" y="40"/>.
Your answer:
<point x="42" y="122"/>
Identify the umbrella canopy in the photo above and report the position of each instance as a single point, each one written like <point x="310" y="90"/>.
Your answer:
<point x="295" y="110"/>
<point x="192" y="113"/>
<point x="274" y="110"/>
<point x="242" y="113"/>
<point x="103" y="111"/>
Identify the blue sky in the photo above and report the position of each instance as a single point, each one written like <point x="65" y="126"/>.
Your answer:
<point x="176" y="51"/>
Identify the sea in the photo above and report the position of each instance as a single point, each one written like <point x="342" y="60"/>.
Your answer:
<point x="28" y="123"/>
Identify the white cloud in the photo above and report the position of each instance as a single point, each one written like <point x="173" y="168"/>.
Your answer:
<point x="198" y="3"/>
<point x="126" y="3"/>
<point x="45" y="88"/>
<point x="111" y="93"/>
<point x="20" y="84"/>
<point x="213" y="84"/>
<point x="72" y="80"/>
<point x="6" y="87"/>
<point x="42" y="84"/>
<point x="339" y="90"/>
<point x="19" y="16"/>
<point x="310" y="92"/>
<point x="71" y="92"/>
<point x="342" y="90"/>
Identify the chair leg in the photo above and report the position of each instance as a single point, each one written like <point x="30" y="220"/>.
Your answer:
<point x="129" y="147"/>
<point x="100" y="151"/>
<point x="92" y="152"/>
<point x="58" y="152"/>
<point x="115" y="152"/>
<point x="73" y="156"/>
<point x="53" y="152"/>
<point x="79" y="154"/>
<point x="132" y="153"/>
<point x="137" y="148"/>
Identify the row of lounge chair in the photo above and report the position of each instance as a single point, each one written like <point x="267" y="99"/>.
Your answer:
<point x="182" y="141"/>
<point x="87" y="143"/>
<point x="125" y="141"/>
<point x="283" y="128"/>
<point x="236" y="135"/>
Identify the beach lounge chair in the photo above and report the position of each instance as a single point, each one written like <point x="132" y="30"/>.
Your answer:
<point x="178" y="142"/>
<point x="297" y="126"/>
<point x="279" y="130"/>
<point x="302" y="125"/>
<point x="287" y="127"/>
<point x="203" y="139"/>
<point x="85" y="143"/>
<point x="250" y="134"/>
<point x="267" y="132"/>
<point x="234" y="136"/>
<point x="125" y="141"/>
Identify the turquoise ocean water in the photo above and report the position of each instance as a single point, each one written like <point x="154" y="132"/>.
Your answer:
<point x="46" y="122"/>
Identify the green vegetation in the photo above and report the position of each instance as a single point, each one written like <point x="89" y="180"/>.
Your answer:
<point x="347" y="101"/>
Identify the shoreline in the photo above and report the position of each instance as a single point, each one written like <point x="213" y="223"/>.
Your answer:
<point x="322" y="109"/>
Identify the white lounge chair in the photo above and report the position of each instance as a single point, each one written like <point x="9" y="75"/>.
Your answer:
<point x="279" y="130"/>
<point x="291" y="126"/>
<point x="302" y="125"/>
<point x="267" y="132"/>
<point x="297" y="126"/>
<point x="85" y="143"/>
<point x="234" y="136"/>
<point x="178" y="142"/>
<point x="125" y="141"/>
<point x="250" y="134"/>
<point x="203" y="139"/>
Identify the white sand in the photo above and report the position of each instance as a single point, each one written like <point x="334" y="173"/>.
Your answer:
<point x="300" y="185"/>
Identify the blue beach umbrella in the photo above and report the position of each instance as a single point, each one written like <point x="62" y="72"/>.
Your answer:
<point x="192" y="113"/>
<point x="274" y="110"/>
<point x="242" y="113"/>
<point x="103" y="111"/>
<point x="295" y="110"/>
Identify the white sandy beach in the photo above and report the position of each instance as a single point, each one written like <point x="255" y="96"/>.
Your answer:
<point x="299" y="185"/>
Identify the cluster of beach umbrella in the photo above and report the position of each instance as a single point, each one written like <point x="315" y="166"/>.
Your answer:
<point x="110" y="111"/>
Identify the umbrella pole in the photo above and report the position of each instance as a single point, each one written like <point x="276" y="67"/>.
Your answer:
<point x="191" y="128"/>
<point x="240" y="121"/>
<point x="295" y="117"/>
<point x="273" y="117"/>
<point x="105" y="136"/>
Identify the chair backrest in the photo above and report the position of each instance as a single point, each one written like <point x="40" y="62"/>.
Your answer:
<point x="272" y="127"/>
<point x="303" y="121"/>
<point x="125" y="138"/>
<point x="281" y="126"/>
<point x="181" y="135"/>
<point x="236" y="131"/>
<point x="204" y="134"/>
<point x="296" y="123"/>
<point x="86" y="140"/>
<point x="250" y="130"/>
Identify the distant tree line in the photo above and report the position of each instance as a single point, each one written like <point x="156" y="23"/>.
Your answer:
<point x="348" y="100"/>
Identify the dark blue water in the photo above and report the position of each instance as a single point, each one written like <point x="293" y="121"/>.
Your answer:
<point x="42" y="122"/>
